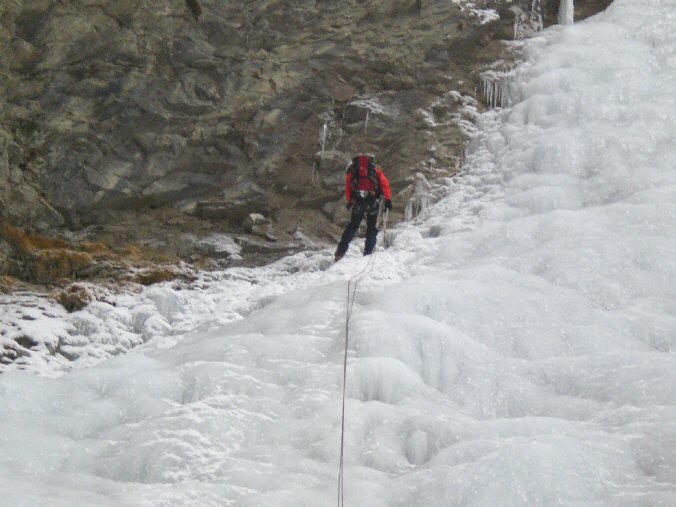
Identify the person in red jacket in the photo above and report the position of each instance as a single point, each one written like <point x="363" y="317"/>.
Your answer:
<point x="364" y="184"/>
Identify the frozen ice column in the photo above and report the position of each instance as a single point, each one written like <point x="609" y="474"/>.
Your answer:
<point x="566" y="12"/>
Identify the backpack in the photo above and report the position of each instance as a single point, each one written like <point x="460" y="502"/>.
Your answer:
<point x="364" y="175"/>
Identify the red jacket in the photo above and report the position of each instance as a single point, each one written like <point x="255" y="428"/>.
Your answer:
<point x="382" y="181"/>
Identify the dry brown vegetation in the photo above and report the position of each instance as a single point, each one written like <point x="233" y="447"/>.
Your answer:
<point x="8" y="284"/>
<point x="75" y="297"/>
<point x="139" y="255"/>
<point x="157" y="274"/>
<point x="48" y="266"/>
<point x="97" y="250"/>
<point x="47" y="261"/>
<point x="25" y="242"/>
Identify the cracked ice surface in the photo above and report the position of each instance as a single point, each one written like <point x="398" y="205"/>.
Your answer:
<point x="523" y="356"/>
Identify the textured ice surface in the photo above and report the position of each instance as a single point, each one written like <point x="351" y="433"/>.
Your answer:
<point x="525" y="356"/>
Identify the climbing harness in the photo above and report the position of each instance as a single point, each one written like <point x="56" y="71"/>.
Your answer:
<point x="351" y="293"/>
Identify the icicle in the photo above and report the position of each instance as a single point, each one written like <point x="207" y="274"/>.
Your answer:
<point x="408" y="212"/>
<point x="566" y="12"/>
<point x="536" y="15"/>
<point x="323" y="136"/>
<point x="528" y="22"/>
<point x="425" y="202"/>
<point x="494" y="85"/>
<point x="366" y="122"/>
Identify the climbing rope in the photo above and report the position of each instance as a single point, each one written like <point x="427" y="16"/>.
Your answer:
<point x="351" y="296"/>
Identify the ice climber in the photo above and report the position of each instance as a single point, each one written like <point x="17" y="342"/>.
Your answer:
<point x="365" y="183"/>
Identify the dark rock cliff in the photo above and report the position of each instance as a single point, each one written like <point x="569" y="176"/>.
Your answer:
<point x="153" y="118"/>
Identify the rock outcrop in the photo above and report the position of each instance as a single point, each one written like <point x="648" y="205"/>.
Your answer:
<point x="153" y="118"/>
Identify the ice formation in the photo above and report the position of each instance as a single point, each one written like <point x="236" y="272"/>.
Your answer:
<point x="566" y="12"/>
<point x="421" y="198"/>
<point x="494" y="86"/>
<point x="322" y="137"/>
<point x="528" y="22"/>
<point x="522" y="355"/>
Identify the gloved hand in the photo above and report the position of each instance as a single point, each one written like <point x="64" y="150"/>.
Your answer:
<point x="349" y="205"/>
<point x="388" y="204"/>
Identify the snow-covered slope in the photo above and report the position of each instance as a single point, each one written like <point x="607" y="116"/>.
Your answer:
<point x="523" y="357"/>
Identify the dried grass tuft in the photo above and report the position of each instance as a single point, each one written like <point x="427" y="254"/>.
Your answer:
<point x="156" y="274"/>
<point x="45" y="260"/>
<point x="25" y="242"/>
<point x="98" y="250"/>
<point x="49" y="261"/>
<point x="75" y="297"/>
<point x="8" y="284"/>
<point x="49" y="266"/>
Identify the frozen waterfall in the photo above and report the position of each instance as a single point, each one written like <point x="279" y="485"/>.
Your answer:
<point x="522" y="355"/>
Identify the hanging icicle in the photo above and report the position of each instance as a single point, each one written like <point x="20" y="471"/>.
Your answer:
<point x="528" y="22"/>
<point x="566" y="12"/>
<point x="322" y="137"/>
<point x="494" y="86"/>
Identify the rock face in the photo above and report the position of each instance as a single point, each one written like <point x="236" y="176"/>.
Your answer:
<point x="213" y="110"/>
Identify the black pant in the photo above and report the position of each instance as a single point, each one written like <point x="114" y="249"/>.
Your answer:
<point x="361" y="207"/>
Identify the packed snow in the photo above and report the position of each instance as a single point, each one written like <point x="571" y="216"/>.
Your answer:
<point x="515" y="346"/>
